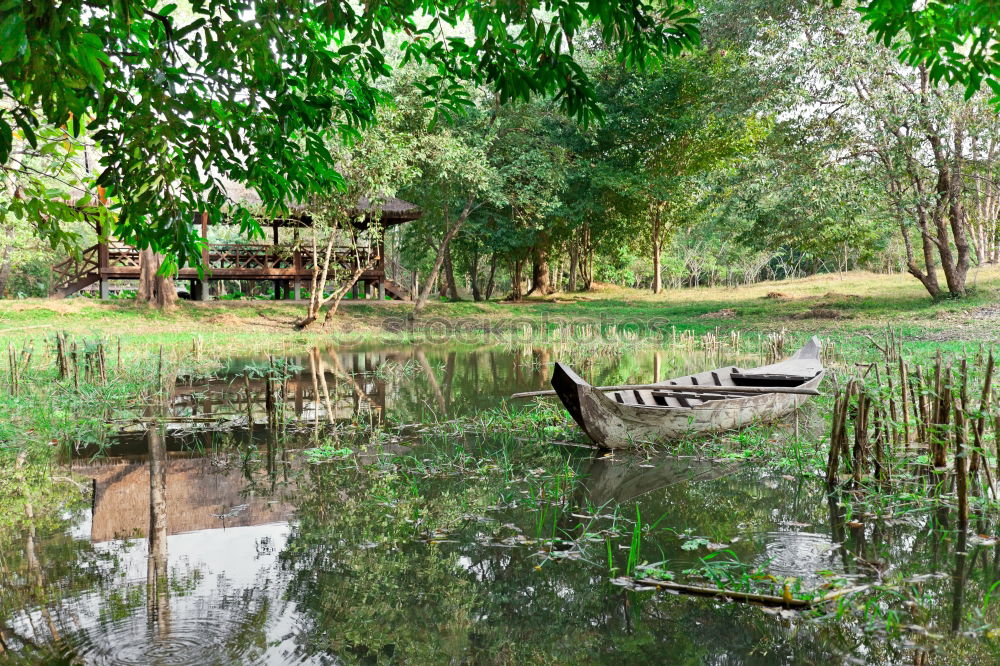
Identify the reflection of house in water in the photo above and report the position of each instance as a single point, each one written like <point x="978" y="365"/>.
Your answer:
<point x="200" y="496"/>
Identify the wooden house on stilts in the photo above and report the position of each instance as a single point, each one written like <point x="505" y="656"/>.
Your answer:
<point x="287" y="260"/>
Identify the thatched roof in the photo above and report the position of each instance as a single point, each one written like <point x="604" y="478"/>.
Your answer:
<point x="200" y="496"/>
<point x="392" y="209"/>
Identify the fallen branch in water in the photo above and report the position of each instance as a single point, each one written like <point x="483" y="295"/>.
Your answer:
<point x="786" y="601"/>
<point x="697" y="590"/>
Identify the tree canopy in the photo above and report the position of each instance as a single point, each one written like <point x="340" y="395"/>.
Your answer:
<point x="175" y="98"/>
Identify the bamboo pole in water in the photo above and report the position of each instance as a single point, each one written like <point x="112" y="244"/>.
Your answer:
<point x="904" y="402"/>
<point x="961" y="480"/>
<point x="833" y="460"/>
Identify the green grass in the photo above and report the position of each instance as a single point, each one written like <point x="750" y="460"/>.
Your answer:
<point x="863" y="302"/>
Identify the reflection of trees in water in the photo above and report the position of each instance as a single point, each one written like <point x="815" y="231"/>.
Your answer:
<point x="157" y="583"/>
<point x="366" y="593"/>
<point x="370" y="590"/>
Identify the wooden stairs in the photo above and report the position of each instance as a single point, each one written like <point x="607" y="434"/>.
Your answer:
<point x="76" y="273"/>
<point x="396" y="290"/>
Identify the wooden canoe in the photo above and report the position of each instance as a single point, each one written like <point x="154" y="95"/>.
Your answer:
<point x="629" y="418"/>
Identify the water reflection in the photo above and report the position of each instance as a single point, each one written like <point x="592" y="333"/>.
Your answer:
<point x="236" y="551"/>
<point x="262" y="400"/>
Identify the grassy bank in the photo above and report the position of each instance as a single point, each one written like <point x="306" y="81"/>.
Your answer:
<point x="840" y="303"/>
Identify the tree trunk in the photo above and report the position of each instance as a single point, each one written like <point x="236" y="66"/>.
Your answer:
<point x="574" y="258"/>
<point x="516" y="280"/>
<point x="154" y="289"/>
<point x="449" y="285"/>
<point x="474" y="277"/>
<point x="557" y="278"/>
<point x="540" y="279"/>
<point x="338" y="295"/>
<point x="439" y="259"/>
<point x="5" y="268"/>
<point x="321" y="274"/>
<point x="491" y="281"/>
<point x="586" y="260"/>
<point x="657" y="245"/>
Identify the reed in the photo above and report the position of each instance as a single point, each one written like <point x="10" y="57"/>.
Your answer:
<point x="19" y="364"/>
<point x="936" y="418"/>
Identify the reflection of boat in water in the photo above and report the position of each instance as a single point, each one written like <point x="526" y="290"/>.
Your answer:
<point x="610" y="480"/>
<point x="715" y="400"/>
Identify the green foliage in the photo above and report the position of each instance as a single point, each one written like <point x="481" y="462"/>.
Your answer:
<point x="956" y="40"/>
<point x="177" y="97"/>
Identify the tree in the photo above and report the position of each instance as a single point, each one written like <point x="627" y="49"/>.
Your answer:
<point x="456" y="180"/>
<point x="373" y="167"/>
<point x="955" y="41"/>
<point x="49" y="182"/>
<point x="896" y="128"/>
<point x="664" y="128"/>
<point x="177" y="99"/>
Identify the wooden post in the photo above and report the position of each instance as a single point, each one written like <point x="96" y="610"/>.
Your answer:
<point x="102" y="258"/>
<point x="378" y="287"/>
<point x="203" y="294"/>
<point x="297" y="263"/>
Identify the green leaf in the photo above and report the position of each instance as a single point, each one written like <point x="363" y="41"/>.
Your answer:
<point x="12" y="36"/>
<point x="89" y="61"/>
<point x="6" y="141"/>
<point x="29" y="133"/>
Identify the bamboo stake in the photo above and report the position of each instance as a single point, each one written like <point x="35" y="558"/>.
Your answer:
<point x="861" y="436"/>
<point x="904" y="402"/>
<point x="12" y="363"/>
<point x="893" y="415"/>
<point x="833" y="460"/>
<point x="246" y="379"/>
<point x="961" y="480"/>
<point x="76" y="367"/>
<point x="984" y="406"/>
<point x="942" y="414"/>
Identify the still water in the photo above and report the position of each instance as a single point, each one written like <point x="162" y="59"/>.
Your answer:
<point x="213" y="537"/>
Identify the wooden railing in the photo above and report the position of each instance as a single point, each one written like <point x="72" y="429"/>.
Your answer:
<point x="250" y="257"/>
<point x="233" y="261"/>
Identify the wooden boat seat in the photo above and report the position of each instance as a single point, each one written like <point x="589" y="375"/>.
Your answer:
<point x="764" y="379"/>
<point x="722" y="378"/>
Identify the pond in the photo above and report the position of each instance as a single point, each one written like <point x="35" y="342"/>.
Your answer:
<point x="378" y="505"/>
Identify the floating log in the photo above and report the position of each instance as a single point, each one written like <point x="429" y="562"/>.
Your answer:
<point x="751" y="597"/>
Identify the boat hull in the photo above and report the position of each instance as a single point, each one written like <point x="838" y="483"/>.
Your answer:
<point x="614" y="425"/>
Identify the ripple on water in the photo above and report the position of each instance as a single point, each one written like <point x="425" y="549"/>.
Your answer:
<point x="135" y="641"/>
<point x="799" y="554"/>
